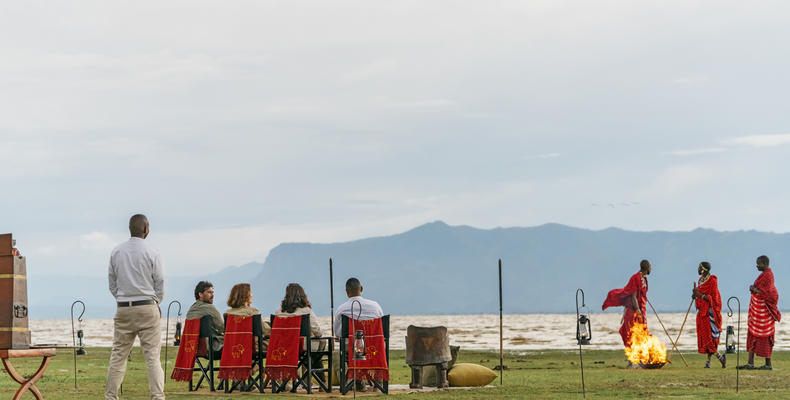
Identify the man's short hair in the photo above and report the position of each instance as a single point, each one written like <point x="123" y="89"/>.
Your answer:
<point x="644" y="264"/>
<point x="201" y="287"/>
<point x="763" y="260"/>
<point x="137" y="224"/>
<point x="353" y="285"/>
<point x="705" y="265"/>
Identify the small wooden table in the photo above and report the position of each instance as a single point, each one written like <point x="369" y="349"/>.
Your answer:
<point x="29" y="384"/>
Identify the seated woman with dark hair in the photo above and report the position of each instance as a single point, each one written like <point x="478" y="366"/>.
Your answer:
<point x="294" y="303"/>
<point x="239" y="301"/>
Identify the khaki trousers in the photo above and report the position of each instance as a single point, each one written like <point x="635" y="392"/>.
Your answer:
<point x="130" y="322"/>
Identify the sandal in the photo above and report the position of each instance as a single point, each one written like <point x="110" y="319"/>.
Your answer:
<point x="766" y="368"/>
<point x="707" y="364"/>
<point x="745" y="366"/>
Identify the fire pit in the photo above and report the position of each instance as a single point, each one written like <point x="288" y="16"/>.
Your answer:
<point x="645" y="351"/>
<point x="647" y="366"/>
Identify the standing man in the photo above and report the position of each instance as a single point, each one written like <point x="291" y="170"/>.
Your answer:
<point x="137" y="281"/>
<point x="708" y="300"/>
<point x="763" y="315"/>
<point x="633" y="298"/>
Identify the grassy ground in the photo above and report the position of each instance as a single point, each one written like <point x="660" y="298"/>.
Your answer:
<point x="539" y="374"/>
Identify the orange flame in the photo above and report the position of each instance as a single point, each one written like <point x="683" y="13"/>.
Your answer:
<point x="645" y="348"/>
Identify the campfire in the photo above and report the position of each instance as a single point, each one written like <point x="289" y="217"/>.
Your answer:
<point x="645" y="351"/>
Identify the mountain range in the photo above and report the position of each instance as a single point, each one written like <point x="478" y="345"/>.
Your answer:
<point x="436" y="268"/>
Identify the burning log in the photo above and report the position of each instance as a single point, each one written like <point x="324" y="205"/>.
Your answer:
<point x="645" y="350"/>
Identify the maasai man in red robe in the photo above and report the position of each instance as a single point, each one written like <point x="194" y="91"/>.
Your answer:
<point x="708" y="300"/>
<point x="763" y="315"/>
<point x="633" y="297"/>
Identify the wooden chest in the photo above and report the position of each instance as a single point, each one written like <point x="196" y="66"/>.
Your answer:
<point x="14" y="332"/>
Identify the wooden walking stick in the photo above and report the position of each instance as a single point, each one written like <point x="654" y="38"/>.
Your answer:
<point x="501" y="368"/>
<point x="674" y="346"/>
<point x="685" y="318"/>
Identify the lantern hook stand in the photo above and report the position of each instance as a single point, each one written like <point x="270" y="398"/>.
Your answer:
<point x="738" y="341"/>
<point x="354" y="358"/>
<point x="501" y="358"/>
<point x="81" y="350"/>
<point x="581" y="360"/>
<point x="177" y="340"/>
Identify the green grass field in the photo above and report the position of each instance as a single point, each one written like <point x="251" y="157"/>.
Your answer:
<point x="534" y="374"/>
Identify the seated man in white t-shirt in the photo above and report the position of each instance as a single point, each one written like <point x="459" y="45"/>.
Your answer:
<point x="370" y="309"/>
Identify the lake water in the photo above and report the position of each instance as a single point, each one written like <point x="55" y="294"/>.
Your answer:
<point x="521" y="332"/>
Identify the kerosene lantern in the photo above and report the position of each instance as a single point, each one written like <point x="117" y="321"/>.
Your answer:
<point x="583" y="327"/>
<point x="730" y="339"/>
<point x="80" y="334"/>
<point x="360" y="350"/>
<point x="177" y="335"/>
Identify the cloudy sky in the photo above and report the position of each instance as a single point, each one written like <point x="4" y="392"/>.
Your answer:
<point x="239" y="125"/>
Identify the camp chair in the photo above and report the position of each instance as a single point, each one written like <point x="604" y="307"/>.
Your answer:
<point x="346" y="384"/>
<point x="307" y="358"/>
<point x="206" y="352"/>
<point x="256" y="378"/>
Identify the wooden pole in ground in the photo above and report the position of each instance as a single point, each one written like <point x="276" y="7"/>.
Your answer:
<point x="331" y="299"/>
<point x="501" y="358"/>
<point x="674" y="347"/>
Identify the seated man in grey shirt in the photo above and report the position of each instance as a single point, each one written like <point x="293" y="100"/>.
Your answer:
<point x="204" y="306"/>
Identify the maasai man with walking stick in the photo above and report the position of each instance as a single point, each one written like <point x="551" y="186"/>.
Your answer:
<point x="763" y="315"/>
<point x="633" y="298"/>
<point x="706" y="296"/>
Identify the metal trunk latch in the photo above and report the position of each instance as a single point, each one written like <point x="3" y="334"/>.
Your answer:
<point x="20" y="310"/>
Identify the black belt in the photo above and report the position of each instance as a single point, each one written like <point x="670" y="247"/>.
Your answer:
<point x="135" y="303"/>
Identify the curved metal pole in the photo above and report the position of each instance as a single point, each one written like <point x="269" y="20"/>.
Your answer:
<point x="501" y="358"/>
<point x="737" y="340"/>
<point x="74" y="338"/>
<point x="353" y="332"/>
<point x="581" y="360"/>
<point x="167" y="329"/>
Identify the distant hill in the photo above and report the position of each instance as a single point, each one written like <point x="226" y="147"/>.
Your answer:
<point x="440" y="269"/>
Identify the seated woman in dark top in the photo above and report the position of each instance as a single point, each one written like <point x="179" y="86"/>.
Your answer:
<point x="294" y="303"/>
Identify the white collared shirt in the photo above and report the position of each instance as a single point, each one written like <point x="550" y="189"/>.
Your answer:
<point x="136" y="272"/>
<point x="370" y="310"/>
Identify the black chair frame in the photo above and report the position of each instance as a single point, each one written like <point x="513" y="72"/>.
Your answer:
<point x="208" y="371"/>
<point x="346" y="384"/>
<point x="307" y="358"/>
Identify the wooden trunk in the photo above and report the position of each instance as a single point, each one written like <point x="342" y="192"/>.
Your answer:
<point x="14" y="332"/>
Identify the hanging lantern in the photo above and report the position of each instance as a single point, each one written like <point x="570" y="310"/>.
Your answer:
<point x="730" y="339"/>
<point x="80" y="334"/>
<point x="177" y="336"/>
<point x="583" y="329"/>
<point x="359" y="346"/>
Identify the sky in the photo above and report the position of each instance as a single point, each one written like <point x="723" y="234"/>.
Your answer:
<point x="236" y="126"/>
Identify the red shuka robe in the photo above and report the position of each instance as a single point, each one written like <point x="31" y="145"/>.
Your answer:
<point x="763" y="314"/>
<point x="622" y="297"/>
<point x="708" y="312"/>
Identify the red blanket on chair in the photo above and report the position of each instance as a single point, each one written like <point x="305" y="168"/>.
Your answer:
<point x="185" y="360"/>
<point x="236" y="361"/>
<point x="282" y="356"/>
<point x="374" y="366"/>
